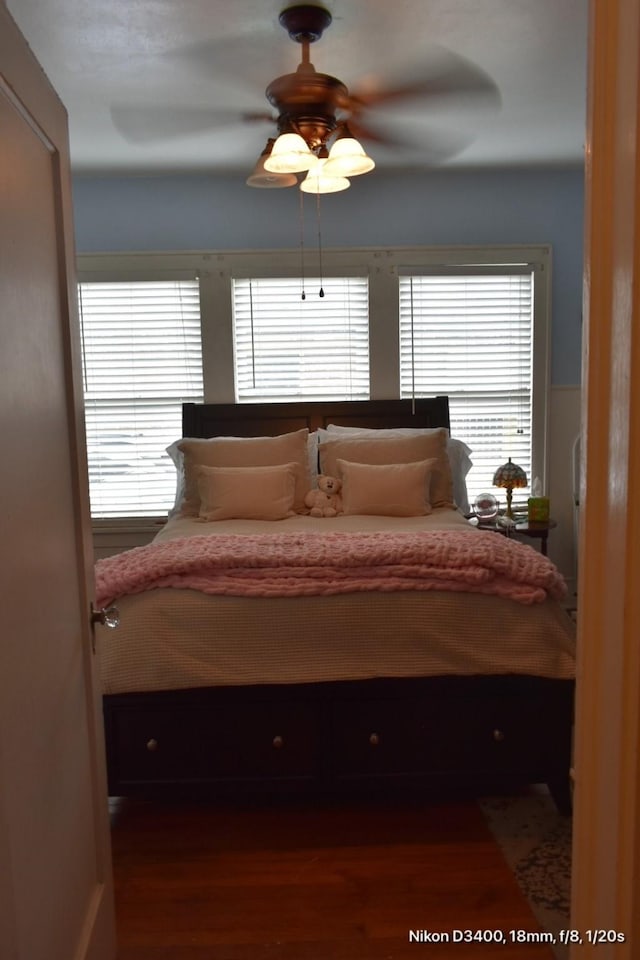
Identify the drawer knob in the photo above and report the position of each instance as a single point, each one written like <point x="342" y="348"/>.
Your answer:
<point x="152" y="745"/>
<point x="374" y="739"/>
<point x="498" y="736"/>
<point x="278" y="743"/>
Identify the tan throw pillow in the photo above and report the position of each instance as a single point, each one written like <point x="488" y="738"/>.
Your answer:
<point x="247" y="493"/>
<point x="389" y="490"/>
<point x="457" y="451"/>
<point x="244" y="452"/>
<point x="396" y="450"/>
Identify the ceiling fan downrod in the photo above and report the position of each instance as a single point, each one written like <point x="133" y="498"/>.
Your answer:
<point x="305" y="24"/>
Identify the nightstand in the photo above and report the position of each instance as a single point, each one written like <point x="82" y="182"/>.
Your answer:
<point x="538" y="531"/>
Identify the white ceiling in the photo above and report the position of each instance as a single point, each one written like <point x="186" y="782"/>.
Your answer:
<point x="209" y="61"/>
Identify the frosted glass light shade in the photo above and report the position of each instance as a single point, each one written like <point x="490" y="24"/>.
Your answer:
<point x="290" y="154"/>
<point x="348" y="159"/>
<point x="259" y="177"/>
<point x="316" y="181"/>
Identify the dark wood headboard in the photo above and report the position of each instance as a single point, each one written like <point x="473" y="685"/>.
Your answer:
<point x="271" y="419"/>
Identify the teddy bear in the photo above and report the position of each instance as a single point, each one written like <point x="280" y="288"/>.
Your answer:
<point x="325" y="501"/>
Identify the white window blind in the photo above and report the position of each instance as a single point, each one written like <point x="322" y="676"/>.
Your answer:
<point x="142" y="357"/>
<point x="468" y="333"/>
<point x="287" y="348"/>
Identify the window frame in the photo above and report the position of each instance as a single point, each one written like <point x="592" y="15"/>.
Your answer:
<point x="215" y="268"/>
<point x="539" y="266"/>
<point x="123" y="268"/>
<point x="356" y="384"/>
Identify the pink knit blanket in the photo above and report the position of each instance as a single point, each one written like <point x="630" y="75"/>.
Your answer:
<point x="305" y="564"/>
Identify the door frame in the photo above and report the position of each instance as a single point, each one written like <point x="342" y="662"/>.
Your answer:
<point x="606" y="831"/>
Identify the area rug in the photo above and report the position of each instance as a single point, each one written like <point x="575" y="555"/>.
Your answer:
<point x="536" y="843"/>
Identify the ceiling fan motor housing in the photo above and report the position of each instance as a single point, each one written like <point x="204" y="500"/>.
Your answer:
<point x="307" y="101"/>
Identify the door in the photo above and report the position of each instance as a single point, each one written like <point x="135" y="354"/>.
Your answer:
<point x="55" y="873"/>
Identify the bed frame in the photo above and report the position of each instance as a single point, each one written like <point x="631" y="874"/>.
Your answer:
<point x="381" y="736"/>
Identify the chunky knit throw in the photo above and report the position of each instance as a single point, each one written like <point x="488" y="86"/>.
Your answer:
<point x="305" y="564"/>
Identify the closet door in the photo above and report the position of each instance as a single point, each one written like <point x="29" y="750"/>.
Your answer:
<point x="55" y="874"/>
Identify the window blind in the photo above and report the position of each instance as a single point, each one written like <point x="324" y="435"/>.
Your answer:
<point x="468" y="333"/>
<point x="142" y="358"/>
<point x="286" y="348"/>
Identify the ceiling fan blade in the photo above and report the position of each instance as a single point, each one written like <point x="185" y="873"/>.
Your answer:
<point x="152" y="124"/>
<point x="246" y="63"/>
<point x="429" y="146"/>
<point x="444" y="76"/>
<point x="361" y="130"/>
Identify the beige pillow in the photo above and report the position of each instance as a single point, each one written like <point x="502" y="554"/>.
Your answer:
<point x="247" y="493"/>
<point x="390" y="490"/>
<point x="244" y="452"/>
<point x="457" y="452"/>
<point x="396" y="450"/>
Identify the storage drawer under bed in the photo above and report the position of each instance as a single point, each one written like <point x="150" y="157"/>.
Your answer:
<point x="342" y="737"/>
<point x="390" y="738"/>
<point x="219" y="743"/>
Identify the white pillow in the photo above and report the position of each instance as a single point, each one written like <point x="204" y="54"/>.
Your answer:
<point x="312" y="454"/>
<point x="457" y="451"/>
<point x="246" y="493"/>
<point x="178" y="462"/>
<point x="388" y="490"/>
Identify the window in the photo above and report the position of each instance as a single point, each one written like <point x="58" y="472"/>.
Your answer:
<point x="468" y="332"/>
<point x="471" y="322"/>
<point x="142" y="358"/>
<point x="287" y="348"/>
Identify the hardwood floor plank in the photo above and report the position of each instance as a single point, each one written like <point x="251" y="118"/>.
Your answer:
<point x="197" y="881"/>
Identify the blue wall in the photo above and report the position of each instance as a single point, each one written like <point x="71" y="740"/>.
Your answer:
<point x="202" y="212"/>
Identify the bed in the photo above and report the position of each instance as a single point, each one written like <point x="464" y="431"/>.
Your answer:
<point x="337" y="668"/>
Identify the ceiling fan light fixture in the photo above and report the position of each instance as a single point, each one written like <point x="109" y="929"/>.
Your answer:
<point x="316" y="180"/>
<point x="347" y="158"/>
<point x="290" y="154"/>
<point x="260" y="177"/>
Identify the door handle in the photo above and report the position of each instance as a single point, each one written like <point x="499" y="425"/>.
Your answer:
<point x="107" y="616"/>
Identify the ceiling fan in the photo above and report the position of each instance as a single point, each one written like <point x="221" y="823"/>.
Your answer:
<point x="311" y="107"/>
<point x="328" y="119"/>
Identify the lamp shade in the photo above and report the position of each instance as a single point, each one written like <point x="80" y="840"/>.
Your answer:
<point x="510" y="475"/>
<point x="317" y="182"/>
<point x="347" y="159"/>
<point x="259" y="177"/>
<point x="290" y="154"/>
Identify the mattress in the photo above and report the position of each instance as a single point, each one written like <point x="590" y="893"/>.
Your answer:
<point x="171" y="639"/>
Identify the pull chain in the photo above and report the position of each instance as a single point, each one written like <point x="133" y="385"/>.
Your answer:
<point x="321" y="294"/>
<point x="413" y="354"/>
<point x="253" y="337"/>
<point x="303" y="295"/>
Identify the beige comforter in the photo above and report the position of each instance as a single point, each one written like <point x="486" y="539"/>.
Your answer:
<point x="175" y="639"/>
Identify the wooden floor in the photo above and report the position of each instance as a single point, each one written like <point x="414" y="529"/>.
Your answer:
<point x="200" y="882"/>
